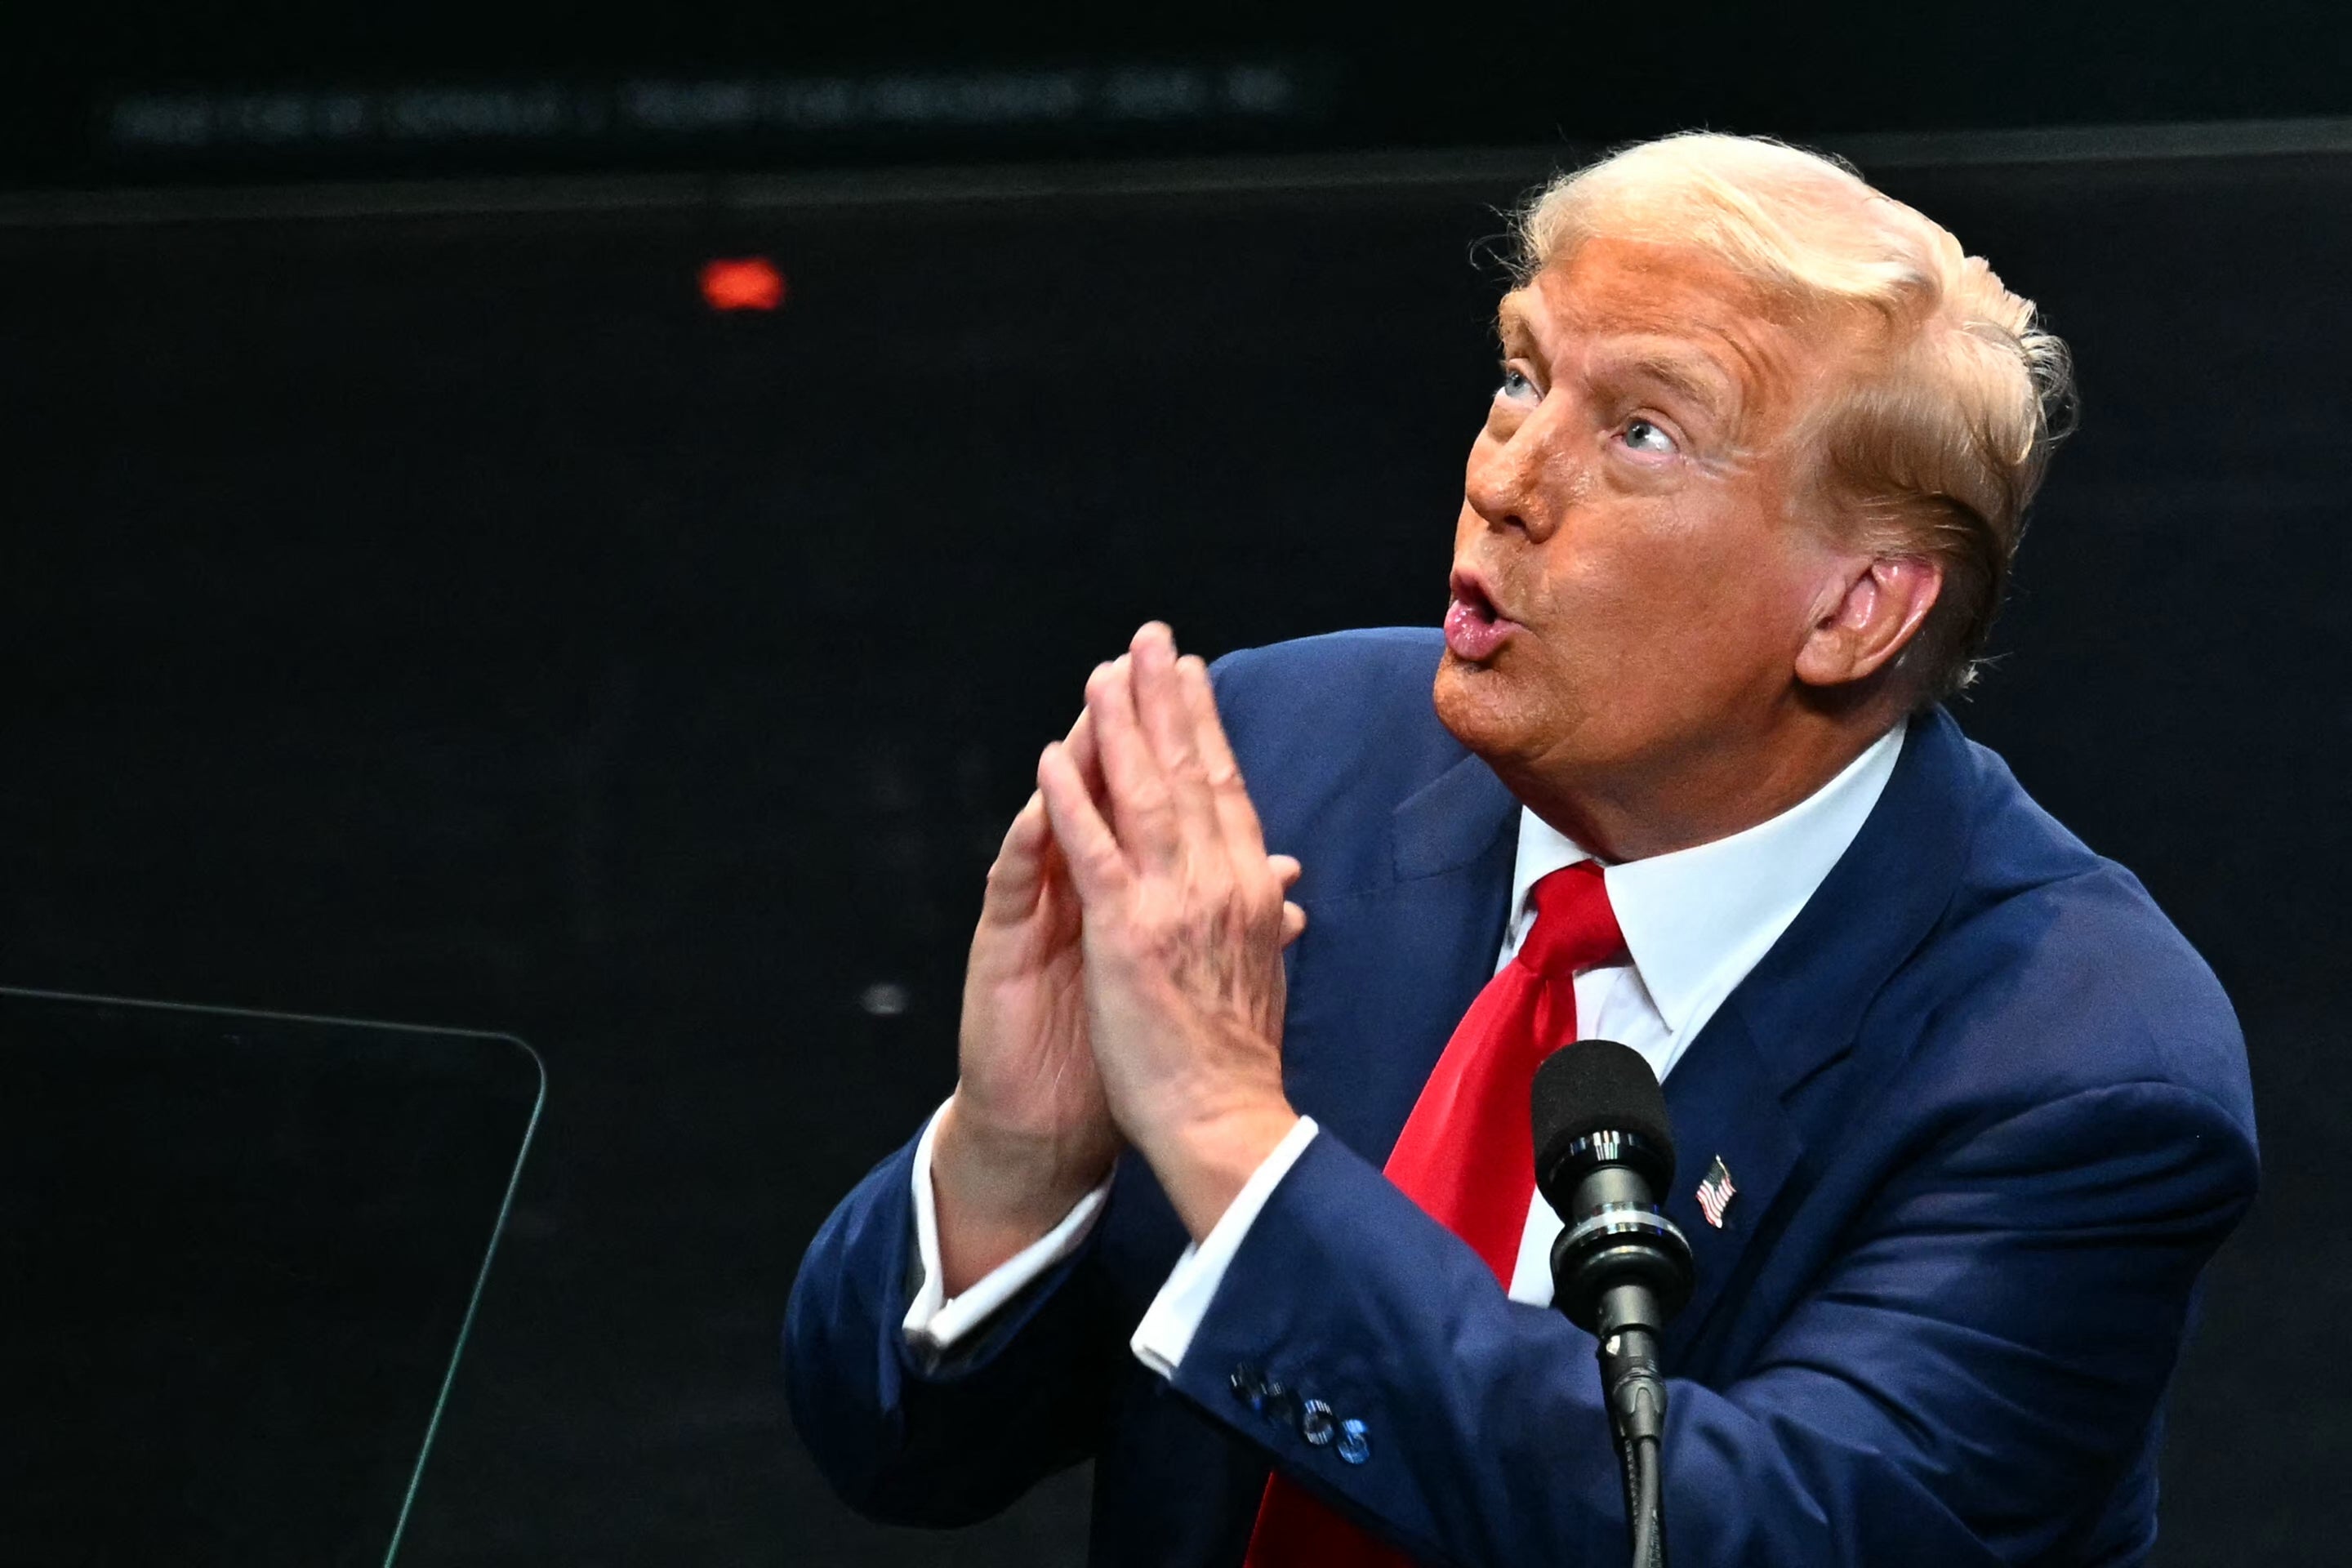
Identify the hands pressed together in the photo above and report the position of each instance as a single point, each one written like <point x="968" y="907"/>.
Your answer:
<point x="1125" y="984"/>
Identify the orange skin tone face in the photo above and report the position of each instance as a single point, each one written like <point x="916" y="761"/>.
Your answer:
<point x="1691" y="653"/>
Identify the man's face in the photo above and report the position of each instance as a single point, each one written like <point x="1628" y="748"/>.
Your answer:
<point x="1630" y="584"/>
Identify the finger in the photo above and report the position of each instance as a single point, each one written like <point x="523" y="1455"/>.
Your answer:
<point x="1097" y="869"/>
<point x="1286" y="868"/>
<point x="1018" y="874"/>
<point x="1165" y="714"/>
<point x="1080" y="745"/>
<point x="1142" y="814"/>
<point x="1294" y="922"/>
<point x="1236" y="815"/>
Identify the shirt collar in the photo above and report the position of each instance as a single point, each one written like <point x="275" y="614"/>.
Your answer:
<point x="1696" y="921"/>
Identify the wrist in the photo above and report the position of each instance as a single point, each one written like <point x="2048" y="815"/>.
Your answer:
<point x="1203" y="1164"/>
<point x="996" y="1191"/>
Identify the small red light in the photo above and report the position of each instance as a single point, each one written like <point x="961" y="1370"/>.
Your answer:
<point x="742" y="283"/>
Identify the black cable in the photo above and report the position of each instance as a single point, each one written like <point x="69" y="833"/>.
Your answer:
<point x="1649" y="1521"/>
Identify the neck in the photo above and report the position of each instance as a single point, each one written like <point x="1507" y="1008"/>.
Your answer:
<point x="1704" y="789"/>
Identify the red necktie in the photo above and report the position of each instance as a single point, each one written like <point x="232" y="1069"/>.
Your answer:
<point x="1464" y="1156"/>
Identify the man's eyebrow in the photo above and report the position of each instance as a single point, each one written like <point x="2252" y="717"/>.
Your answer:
<point x="1511" y="325"/>
<point x="1698" y="380"/>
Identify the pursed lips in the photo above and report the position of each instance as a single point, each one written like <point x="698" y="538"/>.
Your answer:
<point x="1476" y="626"/>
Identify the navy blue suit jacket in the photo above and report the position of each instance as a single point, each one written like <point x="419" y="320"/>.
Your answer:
<point x="1987" y="1111"/>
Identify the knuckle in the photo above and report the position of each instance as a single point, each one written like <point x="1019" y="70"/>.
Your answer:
<point x="1145" y="931"/>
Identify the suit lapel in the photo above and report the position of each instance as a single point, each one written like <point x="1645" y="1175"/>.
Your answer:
<point x="1723" y="1104"/>
<point x="1385" y="971"/>
<point x="1738" y="1092"/>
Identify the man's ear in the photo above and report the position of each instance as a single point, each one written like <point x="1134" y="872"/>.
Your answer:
<point x="1868" y="616"/>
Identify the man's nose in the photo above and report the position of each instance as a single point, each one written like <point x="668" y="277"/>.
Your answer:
<point x="1514" y="483"/>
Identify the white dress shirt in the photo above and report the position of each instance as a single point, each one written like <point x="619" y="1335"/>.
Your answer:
<point x="1695" y="922"/>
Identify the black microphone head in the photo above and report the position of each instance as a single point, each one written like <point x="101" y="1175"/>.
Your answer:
<point x="1595" y="1087"/>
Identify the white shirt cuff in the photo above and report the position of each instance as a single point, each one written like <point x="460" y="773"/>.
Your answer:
<point x="1175" y="1314"/>
<point x="935" y="1321"/>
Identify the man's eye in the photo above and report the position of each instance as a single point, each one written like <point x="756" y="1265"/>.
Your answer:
<point x="1643" y="436"/>
<point x="1515" y="385"/>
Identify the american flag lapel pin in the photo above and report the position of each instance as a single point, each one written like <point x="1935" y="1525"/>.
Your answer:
<point x="1715" y="1192"/>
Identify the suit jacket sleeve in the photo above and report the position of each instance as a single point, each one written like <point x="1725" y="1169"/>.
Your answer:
<point x="915" y="1440"/>
<point x="1997" y="1333"/>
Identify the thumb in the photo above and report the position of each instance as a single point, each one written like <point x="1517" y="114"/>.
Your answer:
<point x="1018" y="874"/>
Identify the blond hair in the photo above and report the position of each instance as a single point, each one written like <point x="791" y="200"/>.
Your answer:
<point x="1937" y="447"/>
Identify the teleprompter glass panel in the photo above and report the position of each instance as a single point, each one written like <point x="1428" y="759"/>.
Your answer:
<point x="238" y="1255"/>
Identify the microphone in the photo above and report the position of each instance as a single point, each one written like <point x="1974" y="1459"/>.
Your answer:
<point x="1604" y="1149"/>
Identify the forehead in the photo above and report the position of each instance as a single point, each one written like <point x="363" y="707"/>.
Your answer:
<point x="1664" y="304"/>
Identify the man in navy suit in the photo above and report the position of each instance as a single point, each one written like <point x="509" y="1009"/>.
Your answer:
<point x="1961" y="1116"/>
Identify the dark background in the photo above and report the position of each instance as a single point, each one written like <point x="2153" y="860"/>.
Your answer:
<point x="418" y="603"/>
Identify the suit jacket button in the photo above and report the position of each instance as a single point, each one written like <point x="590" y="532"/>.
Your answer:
<point x="1247" y="1384"/>
<point x="1315" y="1423"/>
<point x="1279" y="1403"/>
<point x="1355" y="1442"/>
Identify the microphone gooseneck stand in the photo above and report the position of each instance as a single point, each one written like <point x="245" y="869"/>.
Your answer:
<point x="1637" y="1411"/>
<point x="1620" y="1268"/>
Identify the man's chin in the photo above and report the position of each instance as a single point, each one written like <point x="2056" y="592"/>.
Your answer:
<point x="1477" y="704"/>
